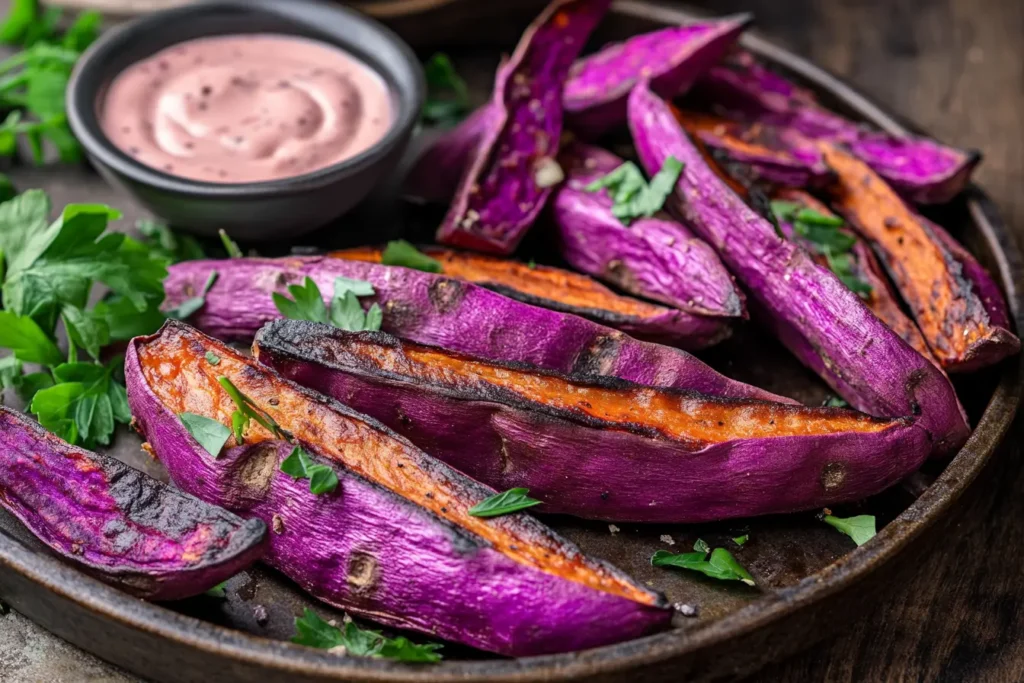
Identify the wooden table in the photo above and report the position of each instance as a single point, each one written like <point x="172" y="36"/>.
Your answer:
<point x="956" y="67"/>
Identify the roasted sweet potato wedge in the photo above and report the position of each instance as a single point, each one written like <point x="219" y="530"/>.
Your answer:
<point x="569" y="292"/>
<point x="774" y="155"/>
<point x="116" y="523"/>
<point x="438" y="310"/>
<point x="512" y="171"/>
<point x="656" y="258"/>
<point x="600" y="449"/>
<point x="930" y="277"/>
<point x="393" y="541"/>
<point x="921" y="170"/>
<point x="815" y="315"/>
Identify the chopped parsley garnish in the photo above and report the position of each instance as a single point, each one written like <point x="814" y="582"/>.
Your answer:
<point x="210" y="434"/>
<point x="345" y="312"/>
<point x="510" y="501"/>
<point x="190" y="306"/>
<point x="298" y="465"/>
<point x="212" y="358"/>
<point x="860" y="528"/>
<point x="631" y="195"/>
<point x="824" y="233"/>
<point x="402" y="253"/>
<point x="835" y="402"/>
<point x="312" y="631"/>
<point x="447" y="94"/>
<point x="720" y="565"/>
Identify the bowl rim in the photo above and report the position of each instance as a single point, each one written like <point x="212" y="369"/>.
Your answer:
<point x="83" y="89"/>
<point x="281" y="658"/>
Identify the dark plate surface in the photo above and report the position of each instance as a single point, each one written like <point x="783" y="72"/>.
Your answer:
<point x="812" y="580"/>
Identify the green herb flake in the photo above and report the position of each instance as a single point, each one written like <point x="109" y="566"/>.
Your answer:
<point x="510" y="501"/>
<point x="720" y="565"/>
<point x="248" y="410"/>
<point x="230" y="246"/>
<point x="212" y="358"/>
<point x="835" y="402"/>
<point x="210" y="434"/>
<point x="741" y="540"/>
<point x="860" y="528"/>
<point x="403" y="253"/>
<point x="447" y="99"/>
<point x="299" y="465"/>
<point x="631" y="195"/>
<point x="312" y="631"/>
<point x="219" y="591"/>
<point x="322" y="479"/>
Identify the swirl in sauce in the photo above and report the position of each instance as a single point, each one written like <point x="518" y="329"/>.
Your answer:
<point x="246" y="108"/>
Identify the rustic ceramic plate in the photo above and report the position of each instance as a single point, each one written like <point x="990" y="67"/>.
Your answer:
<point x="812" y="581"/>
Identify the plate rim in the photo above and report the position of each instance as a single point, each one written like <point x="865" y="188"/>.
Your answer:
<point x="106" y="602"/>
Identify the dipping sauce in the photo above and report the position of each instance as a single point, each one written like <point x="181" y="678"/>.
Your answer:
<point x="246" y="108"/>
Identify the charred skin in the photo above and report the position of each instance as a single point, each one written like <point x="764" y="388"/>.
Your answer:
<point x="607" y="449"/>
<point x="655" y="258"/>
<point x="774" y="155"/>
<point x="814" y="314"/>
<point x="882" y="300"/>
<point x="921" y="170"/>
<point x="512" y="171"/>
<point x="929" y="276"/>
<point x="394" y="541"/>
<point x="437" y="310"/>
<point x="116" y="523"/>
<point x="569" y="292"/>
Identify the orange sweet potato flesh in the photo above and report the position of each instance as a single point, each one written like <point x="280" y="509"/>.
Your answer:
<point x="949" y="313"/>
<point x="542" y="282"/>
<point x="176" y="370"/>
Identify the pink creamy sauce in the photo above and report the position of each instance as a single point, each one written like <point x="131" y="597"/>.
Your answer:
<point x="246" y="108"/>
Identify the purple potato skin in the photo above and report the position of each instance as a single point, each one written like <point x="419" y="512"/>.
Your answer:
<point x="921" y="170"/>
<point x="822" y="322"/>
<point x="439" y="311"/>
<point x="672" y="59"/>
<point x="655" y="258"/>
<point x="596" y="470"/>
<point x="789" y="162"/>
<point x="511" y="172"/>
<point x="596" y="97"/>
<point x="374" y="553"/>
<point x="116" y="523"/>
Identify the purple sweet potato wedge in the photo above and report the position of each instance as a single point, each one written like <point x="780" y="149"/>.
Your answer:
<point x="773" y="155"/>
<point x="436" y="173"/>
<point x="929" y="276"/>
<point x="921" y="170"/>
<point x="672" y="59"/>
<point x="655" y="258"/>
<point x="437" y="310"/>
<point x="598" y="449"/>
<point x="393" y="541"/>
<point x="116" y="523"/>
<point x="822" y="322"/>
<point x="569" y="292"/>
<point x="881" y="299"/>
<point x="513" y="170"/>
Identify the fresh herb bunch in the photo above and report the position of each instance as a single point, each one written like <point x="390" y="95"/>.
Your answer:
<point x="33" y="81"/>
<point x="48" y="272"/>
<point x="829" y="240"/>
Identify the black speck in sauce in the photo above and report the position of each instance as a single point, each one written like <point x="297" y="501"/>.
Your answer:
<point x="202" y="106"/>
<point x="206" y="90"/>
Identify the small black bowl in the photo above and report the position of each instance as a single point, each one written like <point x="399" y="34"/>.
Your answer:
<point x="261" y="210"/>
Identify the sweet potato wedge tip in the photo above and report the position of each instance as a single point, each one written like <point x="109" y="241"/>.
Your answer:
<point x="394" y="541"/>
<point x="605" y="450"/>
<point x="921" y="170"/>
<point x="656" y="258"/>
<point x="930" y="277"/>
<point x="441" y="311"/>
<point x="818" y="318"/>
<point x="512" y="171"/>
<point x="569" y="292"/>
<point x="116" y="523"/>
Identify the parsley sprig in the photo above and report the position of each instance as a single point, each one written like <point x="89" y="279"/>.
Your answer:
<point x="860" y="528"/>
<point x="49" y="270"/>
<point x="720" y="565"/>
<point x="298" y="465"/>
<point x="345" y="311"/>
<point x="33" y="81"/>
<point x="504" y="503"/>
<point x="825" y="235"/>
<point x="632" y="196"/>
<point x="312" y="631"/>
